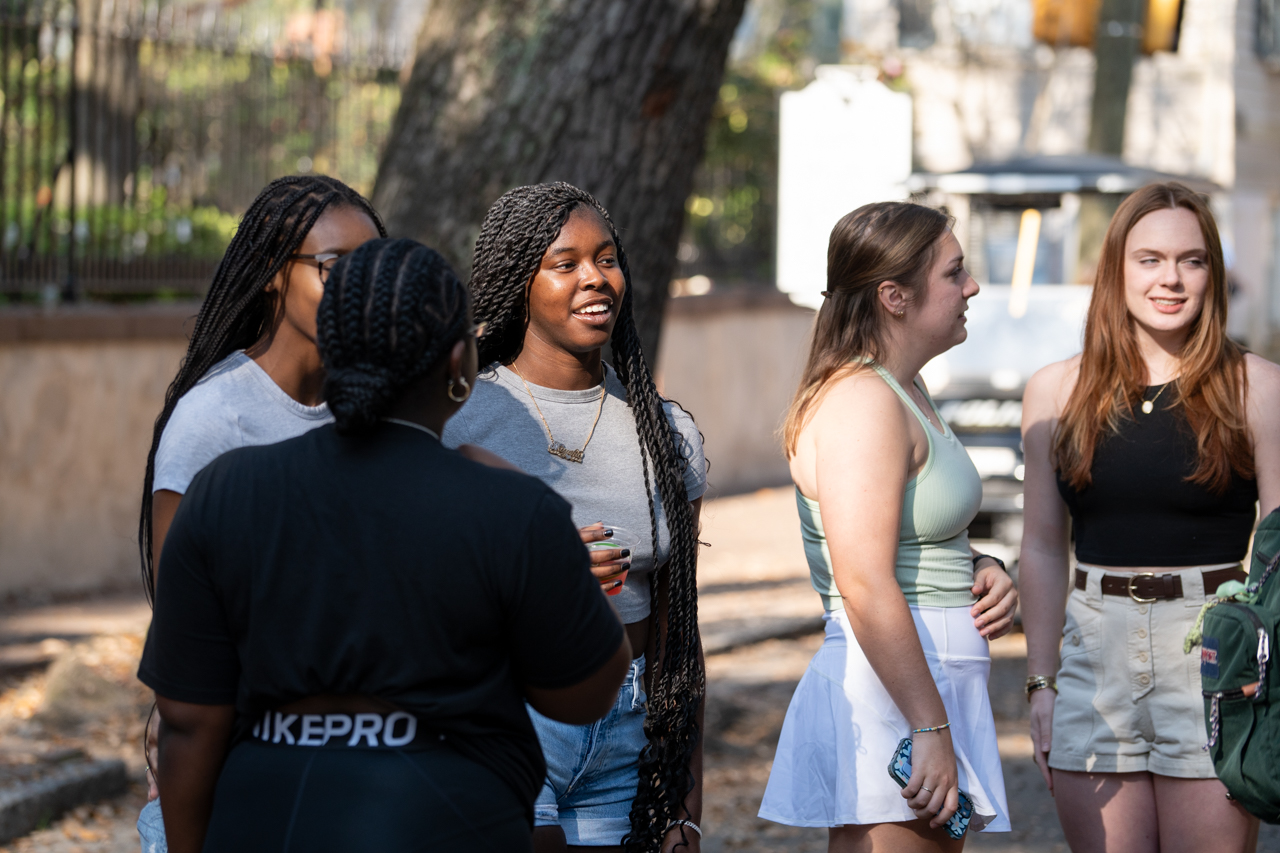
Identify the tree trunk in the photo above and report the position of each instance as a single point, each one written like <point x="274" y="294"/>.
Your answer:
<point x="107" y="101"/>
<point x="610" y="95"/>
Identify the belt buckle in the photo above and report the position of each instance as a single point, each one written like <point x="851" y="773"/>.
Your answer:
<point x="1133" y="580"/>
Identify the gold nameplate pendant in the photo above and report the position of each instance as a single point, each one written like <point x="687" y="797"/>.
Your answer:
<point x="557" y="448"/>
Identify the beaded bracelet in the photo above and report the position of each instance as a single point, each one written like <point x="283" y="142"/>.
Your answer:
<point x="931" y="729"/>
<point x="685" y="822"/>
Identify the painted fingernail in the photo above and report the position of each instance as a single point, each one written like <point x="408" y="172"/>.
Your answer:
<point x="608" y="531"/>
<point x="626" y="552"/>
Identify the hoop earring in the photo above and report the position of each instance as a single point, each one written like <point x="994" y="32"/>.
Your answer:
<point x="466" y="390"/>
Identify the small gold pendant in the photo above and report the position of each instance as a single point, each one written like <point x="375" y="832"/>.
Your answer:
<point x="1147" y="406"/>
<point x="557" y="448"/>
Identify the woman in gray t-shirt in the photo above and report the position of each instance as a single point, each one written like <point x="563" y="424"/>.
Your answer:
<point x="252" y="374"/>
<point x="551" y="282"/>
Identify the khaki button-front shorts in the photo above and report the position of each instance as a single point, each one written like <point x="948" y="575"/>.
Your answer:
<point x="1128" y="698"/>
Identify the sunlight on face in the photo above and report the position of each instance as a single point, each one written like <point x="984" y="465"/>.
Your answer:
<point x="1166" y="272"/>
<point x="939" y="313"/>
<point x="577" y="291"/>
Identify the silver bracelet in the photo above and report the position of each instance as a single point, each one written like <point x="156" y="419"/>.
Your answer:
<point x="684" y="822"/>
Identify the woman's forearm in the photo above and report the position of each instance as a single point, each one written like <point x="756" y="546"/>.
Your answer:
<point x="882" y="624"/>
<point x="1042" y="576"/>
<point x="193" y="745"/>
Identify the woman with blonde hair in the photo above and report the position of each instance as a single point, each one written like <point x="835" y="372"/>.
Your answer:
<point x="1150" y="450"/>
<point x="886" y="493"/>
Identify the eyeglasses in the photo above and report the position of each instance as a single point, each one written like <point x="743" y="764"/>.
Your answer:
<point x="478" y="330"/>
<point x="324" y="262"/>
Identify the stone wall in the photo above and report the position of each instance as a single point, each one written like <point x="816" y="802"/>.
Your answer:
<point x="81" y="390"/>
<point x="733" y="360"/>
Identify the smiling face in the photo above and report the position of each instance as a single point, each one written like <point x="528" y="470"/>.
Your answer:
<point x="1166" y="272"/>
<point x="577" y="291"/>
<point x="938" y="315"/>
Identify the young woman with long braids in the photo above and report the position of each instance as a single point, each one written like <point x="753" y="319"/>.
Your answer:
<point x="1152" y="449"/>
<point x="885" y="493"/>
<point x="550" y="279"/>
<point x="252" y="373"/>
<point x="344" y="641"/>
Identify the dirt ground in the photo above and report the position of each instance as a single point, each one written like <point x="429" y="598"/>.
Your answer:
<point x="753" y="582"/>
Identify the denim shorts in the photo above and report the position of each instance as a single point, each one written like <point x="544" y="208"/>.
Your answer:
<point x="592" y="771"/>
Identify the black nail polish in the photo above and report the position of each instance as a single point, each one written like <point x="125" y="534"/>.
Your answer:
<point x="626" y="552"/>
<point x="608" y="531"/>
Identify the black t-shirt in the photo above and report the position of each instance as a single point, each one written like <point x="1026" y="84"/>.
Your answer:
<point x="384" y="565"/>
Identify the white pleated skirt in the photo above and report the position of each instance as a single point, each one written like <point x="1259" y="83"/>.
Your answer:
<point x="841" y="730"/>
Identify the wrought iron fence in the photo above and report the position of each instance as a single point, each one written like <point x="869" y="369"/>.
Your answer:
<point x="132" y="132"/>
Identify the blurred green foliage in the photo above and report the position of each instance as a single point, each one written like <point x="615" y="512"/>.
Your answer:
<point x="214" y="113"/>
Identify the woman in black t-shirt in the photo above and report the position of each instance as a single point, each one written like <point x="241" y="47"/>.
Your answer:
<point x="342" y="656"/>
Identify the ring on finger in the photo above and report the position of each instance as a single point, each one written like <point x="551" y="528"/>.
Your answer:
<point x="923" y="788"/>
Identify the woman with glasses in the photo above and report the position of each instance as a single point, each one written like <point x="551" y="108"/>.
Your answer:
<point x="252" y="374"/>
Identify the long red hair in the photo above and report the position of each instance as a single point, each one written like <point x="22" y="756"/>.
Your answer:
<point x="1211" y="386"/>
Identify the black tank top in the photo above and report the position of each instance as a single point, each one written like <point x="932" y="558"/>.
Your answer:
<point x="1141" y="511"/>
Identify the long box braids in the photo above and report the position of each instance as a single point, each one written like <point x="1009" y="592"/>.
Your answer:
<point x="237" y="311"/>
<point x="516" y="233"/>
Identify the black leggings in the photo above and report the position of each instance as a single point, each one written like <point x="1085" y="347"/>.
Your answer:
<point x="284" y="799"/>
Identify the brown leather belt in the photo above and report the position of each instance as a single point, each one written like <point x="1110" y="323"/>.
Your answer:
<point x="1147" y="587"/>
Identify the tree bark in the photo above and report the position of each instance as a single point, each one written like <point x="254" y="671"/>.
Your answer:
<point x="613" y="96"/>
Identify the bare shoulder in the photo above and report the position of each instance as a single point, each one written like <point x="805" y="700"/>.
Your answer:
<point x="1263" y="375"/>
<point x="1050" y="387"/>
<point x="861" y="396"/>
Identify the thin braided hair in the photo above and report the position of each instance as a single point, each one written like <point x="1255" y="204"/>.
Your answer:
<point x="238" y="310"/>
<point x="516" y="233"/>
<point x="390" y="311"/>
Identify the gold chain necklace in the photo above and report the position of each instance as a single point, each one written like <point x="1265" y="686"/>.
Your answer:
<point x="1149" y="405"/>
<point x="557" y="448"/>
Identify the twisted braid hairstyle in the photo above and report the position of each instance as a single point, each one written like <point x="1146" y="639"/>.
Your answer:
<point x="238" y="310"/>
<point x="516" y="233"/>
<point x="391" y="309"/>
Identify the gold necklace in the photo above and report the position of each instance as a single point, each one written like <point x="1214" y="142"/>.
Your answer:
<point x="557" y="448"/>
<point x="1149" y="405"/>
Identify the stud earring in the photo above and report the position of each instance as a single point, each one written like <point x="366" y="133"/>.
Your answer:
<point x="466" y="390"/>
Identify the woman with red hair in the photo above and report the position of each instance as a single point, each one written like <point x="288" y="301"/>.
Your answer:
<point x="1151" y="450"/>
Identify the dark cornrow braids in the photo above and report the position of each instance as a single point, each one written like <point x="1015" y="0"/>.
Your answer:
<point x="391" y="309"/>
<point x="237" y="310"/>
<point x="516" y="233"/>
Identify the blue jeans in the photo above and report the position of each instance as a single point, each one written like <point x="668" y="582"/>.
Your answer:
<point x="151" y="829"/>
<point x="592" y="771"/>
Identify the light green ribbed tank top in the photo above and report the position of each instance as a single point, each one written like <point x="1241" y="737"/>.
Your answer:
<point x="934" y="565"/>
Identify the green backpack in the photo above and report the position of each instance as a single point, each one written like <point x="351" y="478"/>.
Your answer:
<point x="1241" y="701"/>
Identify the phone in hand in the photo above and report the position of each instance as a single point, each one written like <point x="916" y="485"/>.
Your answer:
<point x="900" y="772"/>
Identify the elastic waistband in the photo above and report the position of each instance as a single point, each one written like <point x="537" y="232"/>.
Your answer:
<point x="396" y="730"/>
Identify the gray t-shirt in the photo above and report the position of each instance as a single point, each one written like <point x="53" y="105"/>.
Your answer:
<point x="235" y="404"/>
<point x="608" y="485"/>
